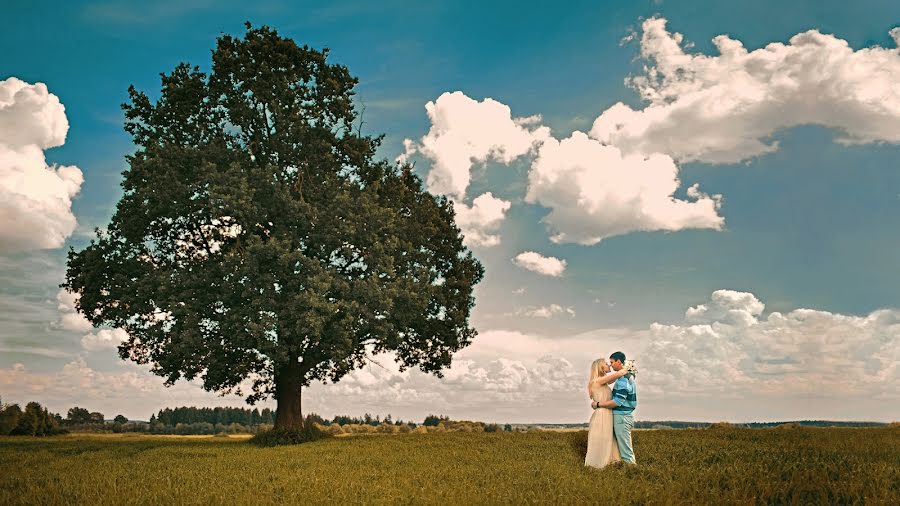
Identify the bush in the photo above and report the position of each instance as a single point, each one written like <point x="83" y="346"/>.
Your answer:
<point x="359" y="428"/>
<point x="386" y="428"/>
<point x="278" y="437"/>
<point x="433" y="421"/>
<point x="492" y="427"/>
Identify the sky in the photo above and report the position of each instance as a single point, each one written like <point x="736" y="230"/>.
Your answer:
<point x="712" y="188"/>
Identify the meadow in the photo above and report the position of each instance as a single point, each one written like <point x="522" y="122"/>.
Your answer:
<point x="698" y="466"/>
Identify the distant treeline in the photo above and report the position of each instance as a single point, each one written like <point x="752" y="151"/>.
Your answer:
<point x="34" y="420"/>
<point x="171" y="417"/>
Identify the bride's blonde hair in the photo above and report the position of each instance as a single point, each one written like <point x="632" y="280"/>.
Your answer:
<point x="598" y="370"/>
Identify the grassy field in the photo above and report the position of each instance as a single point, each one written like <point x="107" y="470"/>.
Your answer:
<point x="721" y="466"/>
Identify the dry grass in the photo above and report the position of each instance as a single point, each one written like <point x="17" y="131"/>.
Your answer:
<point x="724" y="466"/>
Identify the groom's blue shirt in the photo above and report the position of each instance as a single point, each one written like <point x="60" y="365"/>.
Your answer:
<point x="624" y="394"/>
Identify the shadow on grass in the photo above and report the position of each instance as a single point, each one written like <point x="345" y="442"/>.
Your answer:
<point x="578" y="442"/>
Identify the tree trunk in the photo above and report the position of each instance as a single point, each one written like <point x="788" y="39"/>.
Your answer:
<point x="288" y="381"/>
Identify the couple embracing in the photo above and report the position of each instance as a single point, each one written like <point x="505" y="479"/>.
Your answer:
<point x="609" y="436"/>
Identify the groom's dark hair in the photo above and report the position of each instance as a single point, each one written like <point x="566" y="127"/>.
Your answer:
<point x="617" y="356"/>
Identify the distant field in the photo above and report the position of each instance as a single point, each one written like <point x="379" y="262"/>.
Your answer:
<point x="719" y="466"/>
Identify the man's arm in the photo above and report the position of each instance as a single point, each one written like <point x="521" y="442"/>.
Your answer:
<point x="611" y="404"/>
<point x="609" y="378"/>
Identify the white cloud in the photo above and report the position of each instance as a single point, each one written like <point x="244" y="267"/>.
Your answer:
<point x="547" y="311"/>
<point x="69" y="318"/>
<point x="35" y="200"/>
<point x="727" y="306"/>
<point x="622" y="176"/>
<point x="535" y="262"/>
<point x="593" y="192"/>
<point x="104" y="339"/>
<point x="725" y="361"/>
<point x="480" y="222"/>
<point x="503" y="376"/>
<point x="464" y="132"/>
<point x="726" y="347"/>
<point x="724" y="109"/>
<point x="126" y="389"/>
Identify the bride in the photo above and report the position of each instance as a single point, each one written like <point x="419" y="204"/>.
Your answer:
<point x="602" y="448"/>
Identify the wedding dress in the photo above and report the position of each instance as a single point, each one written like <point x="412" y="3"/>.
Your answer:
<point x="602" y="448"/>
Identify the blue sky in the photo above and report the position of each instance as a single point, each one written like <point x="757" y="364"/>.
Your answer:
<point x="812" y="225"/>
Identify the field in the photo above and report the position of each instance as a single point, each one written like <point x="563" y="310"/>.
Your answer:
<point x="714" y="466"/>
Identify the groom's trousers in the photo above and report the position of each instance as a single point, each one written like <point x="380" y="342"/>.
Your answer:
<point x="622" y="425"/>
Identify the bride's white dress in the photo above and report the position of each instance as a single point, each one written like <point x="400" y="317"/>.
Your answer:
<point x="602" y="448"/>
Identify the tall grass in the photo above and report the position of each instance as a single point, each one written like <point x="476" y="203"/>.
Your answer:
<point x="722" y="466"/>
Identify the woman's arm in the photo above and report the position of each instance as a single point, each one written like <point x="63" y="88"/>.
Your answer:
<point x="609" y="378"/>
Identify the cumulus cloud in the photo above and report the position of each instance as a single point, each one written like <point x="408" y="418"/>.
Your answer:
<point x="503" y="376"/>
<point x="104" y="339"/>
<point x="69" y="318"/>
<point x="726" y="360"/>
<point x="622" y="176"/>
<point x="727" y="347"/>
<point x="594" y="191"/>
<point x="725" y="108"/>
<point x="464" y="132"/>
<point x="35" y="199"/>
<point x="480" y="221"/>
<point x="727" y="306"/>
<point x="535" y="262"/>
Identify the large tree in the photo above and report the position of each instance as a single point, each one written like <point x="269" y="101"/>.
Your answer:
<point x="259" y="241"/>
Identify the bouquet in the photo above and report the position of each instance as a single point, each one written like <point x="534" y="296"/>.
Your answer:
<point x="630" y="367"/>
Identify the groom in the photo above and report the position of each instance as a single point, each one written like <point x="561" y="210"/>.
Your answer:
<point x="624" y="400"/>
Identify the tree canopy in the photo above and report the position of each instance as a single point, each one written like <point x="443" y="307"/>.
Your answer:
<point x="259" y="241"/>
